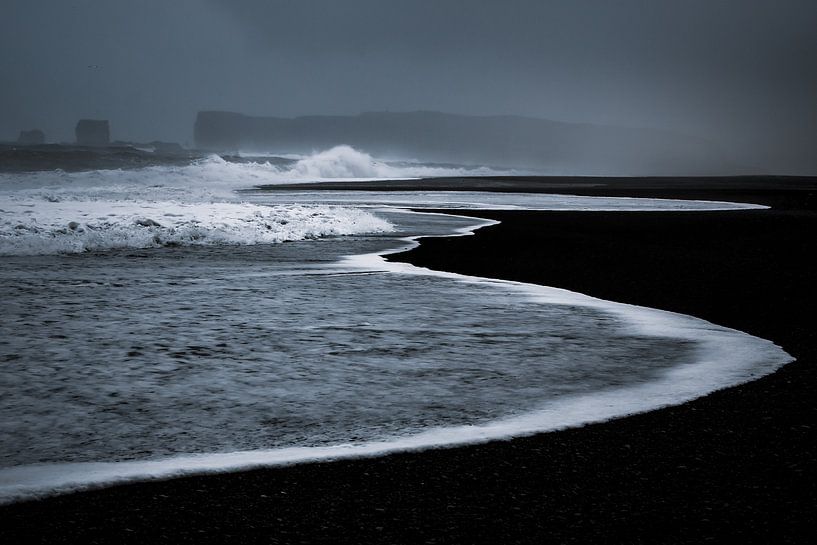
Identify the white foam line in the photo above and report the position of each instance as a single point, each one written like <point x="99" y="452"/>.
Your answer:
<point x="726" y="357"/>
<point x="392" y="200"/>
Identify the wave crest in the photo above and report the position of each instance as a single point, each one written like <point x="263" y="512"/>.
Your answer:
<point x="339" y="162"/>
<point x="345" y="162"/>
<point x="49" y="212"/>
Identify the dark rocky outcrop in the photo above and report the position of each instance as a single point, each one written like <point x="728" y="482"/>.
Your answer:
<point x="93" y="132"/>
<point x="26" y="158"/>
<point x="548" y="146"/>
<point x="33" y="137"/>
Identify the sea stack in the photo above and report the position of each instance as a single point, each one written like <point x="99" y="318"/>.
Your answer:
<point x="34" y="137"/>
<point x="93" y="132"/>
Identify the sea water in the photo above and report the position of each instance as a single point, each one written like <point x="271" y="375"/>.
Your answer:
<point x="155" y="323"/>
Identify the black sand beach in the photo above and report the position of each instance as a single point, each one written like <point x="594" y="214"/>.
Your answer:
<point x="736" y="466"/>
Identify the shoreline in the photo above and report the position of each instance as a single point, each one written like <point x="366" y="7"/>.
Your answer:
<point x="725" y="351"/>
<point x="735" y="463"/>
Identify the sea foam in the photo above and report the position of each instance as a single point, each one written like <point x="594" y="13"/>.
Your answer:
<point x="215" y="176"/>
<point x="76" y="226"/>
<point x="55" y="212"/>
<point x="723" y="357"/>
<point x="51" y="212"/>
<point x="71" y="212"/>
<point x="345" y="162"/>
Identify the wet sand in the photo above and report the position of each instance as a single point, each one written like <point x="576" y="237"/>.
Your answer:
<point x="735" y="466"/>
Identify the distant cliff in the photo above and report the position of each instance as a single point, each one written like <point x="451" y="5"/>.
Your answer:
<point x="558" y="147"/>
<point x="93" y="132"/>
<point x="33" y="137"/>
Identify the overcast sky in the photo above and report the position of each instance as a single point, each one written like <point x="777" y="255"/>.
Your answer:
<point x="740" y="72"/>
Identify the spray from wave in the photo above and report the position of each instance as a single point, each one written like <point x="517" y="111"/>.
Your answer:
<point x="340" y="162"/>
<point x="70" y="212"/>
<point x="345" y="162"/>
<point x="47" y="212"/>
<point x="217" y="177"/>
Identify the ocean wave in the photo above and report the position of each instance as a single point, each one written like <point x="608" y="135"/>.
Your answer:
<point x="70" y="212"/>
<point x="345" y="162"/>
<point x="215" y="176"/>
<point x="76" y="226"/>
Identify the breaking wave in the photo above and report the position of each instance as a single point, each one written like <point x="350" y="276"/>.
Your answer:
<point x="345" y="162"/>
<point x="81" y="226"/>
<point x="70" y="212"/>
<point x="216" y="177"/>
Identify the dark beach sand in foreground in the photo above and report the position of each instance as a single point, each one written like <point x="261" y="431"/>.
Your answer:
<point x="739" y="465"/>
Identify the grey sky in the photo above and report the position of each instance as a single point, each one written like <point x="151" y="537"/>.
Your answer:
<point x="741" y="72"/>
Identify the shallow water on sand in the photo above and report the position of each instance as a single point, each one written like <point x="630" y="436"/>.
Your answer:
<point x="141" y="354"/>
<point x="136" y="355"/>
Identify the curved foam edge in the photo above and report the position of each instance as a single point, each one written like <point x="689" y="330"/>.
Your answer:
<point x="726" y="357"/>
<point x="463" y="200"/>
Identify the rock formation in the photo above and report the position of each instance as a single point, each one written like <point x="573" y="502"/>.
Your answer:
<point x="34" y="137"/>
<point x="93" y="132"/>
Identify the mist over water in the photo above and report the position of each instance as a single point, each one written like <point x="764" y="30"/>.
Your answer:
<point x="736" y="73"/>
